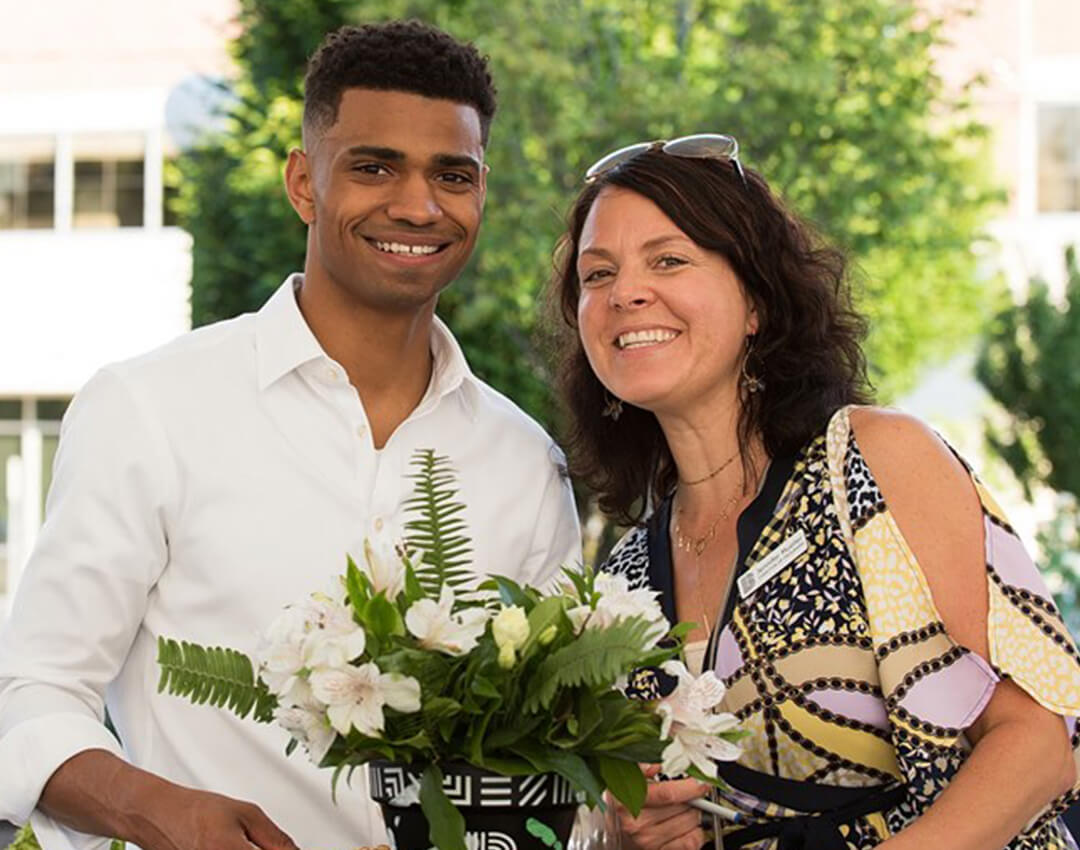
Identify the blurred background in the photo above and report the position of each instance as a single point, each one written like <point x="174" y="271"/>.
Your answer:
<point x="142" y="143"/>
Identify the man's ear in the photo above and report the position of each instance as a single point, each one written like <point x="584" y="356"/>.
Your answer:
<point x="298" y="185"/>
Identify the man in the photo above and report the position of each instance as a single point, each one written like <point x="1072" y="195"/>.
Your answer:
<point x="205" y="485"/>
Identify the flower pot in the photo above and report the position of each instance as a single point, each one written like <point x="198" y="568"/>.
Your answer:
<point x="501" y="812"/>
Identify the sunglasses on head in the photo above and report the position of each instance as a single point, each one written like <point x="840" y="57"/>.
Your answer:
<point x="698" y="146"/>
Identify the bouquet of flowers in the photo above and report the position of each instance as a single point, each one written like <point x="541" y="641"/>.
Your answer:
<point x="412" y="658"/>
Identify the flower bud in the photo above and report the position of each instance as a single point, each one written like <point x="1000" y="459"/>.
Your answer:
<point x="507" y="656"/>
<point x="510" y="628"/>
<point x="547" y="635"/>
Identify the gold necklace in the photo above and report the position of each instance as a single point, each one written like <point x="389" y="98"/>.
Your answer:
<point x="712" y="474"/>
<point x="697" y="545"/>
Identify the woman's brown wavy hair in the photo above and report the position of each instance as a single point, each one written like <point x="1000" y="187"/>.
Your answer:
<point x="807" y="348"/>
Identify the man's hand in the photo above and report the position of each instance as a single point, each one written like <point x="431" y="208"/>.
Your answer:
<point x="98" y="793"/>
<point x="666" y="821"/>
<point x="185" y="819"/>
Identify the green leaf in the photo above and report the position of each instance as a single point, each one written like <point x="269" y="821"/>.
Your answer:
<point x="357" y="587"/>
<point x="437" y="532"/>
<point x="382" y="617"/>
<point x="223" y="677"/>
<point x="510" y="592"/>
<point x="516" y="729"/>
<point x="413" y="589"/>
<point x="446" y="826"/>
<point x="545" y="613"/>
<point x="485" y="688"/>
<point x="595" y="659"/>
<point x="508" y="766"/>
<point x="624" y="780"/>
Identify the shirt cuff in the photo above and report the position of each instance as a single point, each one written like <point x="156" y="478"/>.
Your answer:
<point x="53" y="836"/>
<point x="31" y="752"/>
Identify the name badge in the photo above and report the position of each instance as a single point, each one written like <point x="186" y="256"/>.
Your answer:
<point x="772" y="563"/>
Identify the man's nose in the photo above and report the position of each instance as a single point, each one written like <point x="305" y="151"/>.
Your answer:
<point x="414" y="202"/>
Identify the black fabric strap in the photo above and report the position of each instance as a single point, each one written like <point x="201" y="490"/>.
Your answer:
<point x="821" y="830"/>
<point x="789" y="793"/>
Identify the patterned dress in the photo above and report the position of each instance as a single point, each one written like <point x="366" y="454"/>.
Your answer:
<point x="839" y="665"/>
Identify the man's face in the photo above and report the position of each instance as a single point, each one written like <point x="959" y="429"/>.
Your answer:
<point x="393" y="192"/>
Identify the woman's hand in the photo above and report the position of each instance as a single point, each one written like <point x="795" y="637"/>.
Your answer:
<point x="666" y="821"/>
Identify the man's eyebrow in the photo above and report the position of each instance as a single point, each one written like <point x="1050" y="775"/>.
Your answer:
<point x="454" y="160"/>
<point x="376" y="152"/>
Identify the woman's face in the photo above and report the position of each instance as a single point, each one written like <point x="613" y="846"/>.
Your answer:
<point x="662" y="320"/>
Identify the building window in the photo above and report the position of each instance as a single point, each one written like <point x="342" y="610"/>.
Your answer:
<point x="27" y="183"/>
<point x="108" y="180"/>
<point x="1059" y="158"/>
<point x="108" y="193"/>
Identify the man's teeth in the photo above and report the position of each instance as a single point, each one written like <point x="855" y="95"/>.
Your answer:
<point x="400" y="248"/>
<point x="640" y="339"/>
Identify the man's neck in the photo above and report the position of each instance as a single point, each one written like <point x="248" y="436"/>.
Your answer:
<point x="387" y="357"/>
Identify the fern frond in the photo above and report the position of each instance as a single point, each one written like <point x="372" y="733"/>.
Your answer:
<point x="217" y="675"/>
<point x="437" y="532"/>
<point x="595" y="659"/>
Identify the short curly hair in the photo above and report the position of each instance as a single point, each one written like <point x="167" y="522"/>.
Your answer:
<point x="807" y="348"/>
<point x="406" y="56"/>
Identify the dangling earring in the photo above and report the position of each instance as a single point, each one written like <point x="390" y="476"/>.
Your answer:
<point x="751" y="383"/>
<point x="613" y="408"/>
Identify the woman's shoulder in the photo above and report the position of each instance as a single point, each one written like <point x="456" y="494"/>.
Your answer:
<point x="906" y="455"/>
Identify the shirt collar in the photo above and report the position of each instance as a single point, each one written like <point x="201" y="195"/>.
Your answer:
<point x="451" y="370"/>
<point x="283" y="342"/>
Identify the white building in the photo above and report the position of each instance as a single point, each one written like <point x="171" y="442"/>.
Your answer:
<point x="1029" y="53"/>
<point x="93" y="97"/>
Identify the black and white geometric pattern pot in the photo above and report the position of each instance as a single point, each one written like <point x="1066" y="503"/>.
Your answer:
<point x="501" y="812"/>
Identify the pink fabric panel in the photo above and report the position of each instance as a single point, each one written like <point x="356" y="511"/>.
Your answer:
<point x="954" y="696"/>
<point x="1011" y="561"/>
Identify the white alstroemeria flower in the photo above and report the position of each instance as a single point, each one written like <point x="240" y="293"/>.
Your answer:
<point x="308" y="724"/>
<point x="436" y="626"/>
<point x="317" y="632"/>
<point x="618" y="602"/>
<point x="355" y="696"/>
<point x="334" y="639"/>
<point x="383" y="560"/>
<point x="280" y="654"/>
<point x="691" y="722"/>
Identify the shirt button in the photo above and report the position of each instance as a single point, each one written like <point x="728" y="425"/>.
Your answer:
<point x="378" y="523"/>
<point x="361" y="430"/>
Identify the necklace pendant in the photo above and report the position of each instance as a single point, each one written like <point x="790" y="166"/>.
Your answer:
<point x="699" y="546"/>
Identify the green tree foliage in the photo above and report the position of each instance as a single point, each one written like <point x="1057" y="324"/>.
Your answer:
<point x="1028" y="364"/>
<point x="835" y="101"/>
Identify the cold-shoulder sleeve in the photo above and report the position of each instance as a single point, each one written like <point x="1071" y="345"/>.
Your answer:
<point x="629" y="558"/>
<point x="934" y="688"/>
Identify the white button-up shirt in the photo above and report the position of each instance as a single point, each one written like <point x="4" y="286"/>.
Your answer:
<point x="197" y="490"/>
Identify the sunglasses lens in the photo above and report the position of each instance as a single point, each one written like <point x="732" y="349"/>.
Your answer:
<point x="704" y="146"/>
<point x="614" y="159"/>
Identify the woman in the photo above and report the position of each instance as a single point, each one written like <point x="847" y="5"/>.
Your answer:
<point x="883" y="637"/>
